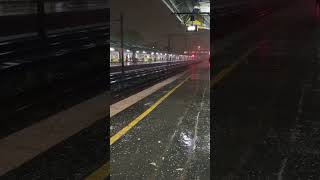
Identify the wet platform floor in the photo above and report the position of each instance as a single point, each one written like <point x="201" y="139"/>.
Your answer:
<point x="257" y="107"/>
<point x="172" y="141"/>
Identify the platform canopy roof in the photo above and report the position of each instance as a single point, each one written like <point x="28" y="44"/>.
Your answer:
<point x="183" y="8"/>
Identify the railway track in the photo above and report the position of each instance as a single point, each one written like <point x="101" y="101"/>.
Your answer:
<point x="29" y="62"/>
<point x="18" y="50"/>
<point x="125" y="84"/>
<point x="40" y="78"/>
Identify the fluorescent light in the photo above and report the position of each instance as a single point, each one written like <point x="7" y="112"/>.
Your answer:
<point x="128" y="50"/>
<point x="112" y="49"/>
<point x="137" y="51"/>
<point x="192" y="28"/>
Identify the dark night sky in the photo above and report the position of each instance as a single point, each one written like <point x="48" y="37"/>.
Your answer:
<point x="154" y="21"/>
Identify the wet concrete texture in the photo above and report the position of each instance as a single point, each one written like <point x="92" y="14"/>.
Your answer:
<point x="74" y="158"/>
<point x="257" y="105"/>
<point x="173" y="141"/>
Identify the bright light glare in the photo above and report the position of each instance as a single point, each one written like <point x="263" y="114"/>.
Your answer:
<point x="152" y="53"/>
<point x="137" y="51"/>
<point x="112" y="49"/>
<point x="128" y="50"/>
<point x="191" y="28"/>
<point x="143" y="52"/>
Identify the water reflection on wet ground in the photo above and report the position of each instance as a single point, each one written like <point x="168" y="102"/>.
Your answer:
<point x="173" y="141"/>
<point x="265" y="110"/>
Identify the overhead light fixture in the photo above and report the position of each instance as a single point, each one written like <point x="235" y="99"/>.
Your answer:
<point x="137" y="51"/>
<point x="192" y="28"/>
<point x="128" y="50"/>
<point x="112" y="49"/>
<point x="143" y="52"/>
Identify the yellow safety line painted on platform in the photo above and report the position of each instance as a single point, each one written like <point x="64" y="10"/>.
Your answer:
<point x="224" y="72"/>
<point x="104" y="171"/>
<point x="100" y="173"/>
<point x="123" y="131"/>
<point x="129" y="101"/>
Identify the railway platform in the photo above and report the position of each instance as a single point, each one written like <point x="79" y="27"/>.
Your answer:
<point x="162" y="131"/>
<point x="265" y="123"/>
